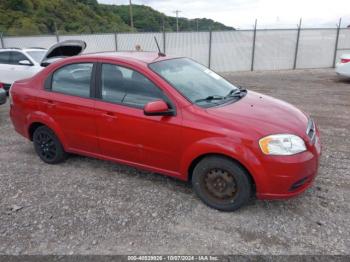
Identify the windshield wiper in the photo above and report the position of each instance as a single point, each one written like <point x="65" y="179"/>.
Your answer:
<point x="210" y="98"/>
<point x="236" y="93"/>
<point x="233" y="93"/>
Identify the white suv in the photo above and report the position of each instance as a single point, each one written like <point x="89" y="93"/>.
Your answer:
<point x="17" y="64"/>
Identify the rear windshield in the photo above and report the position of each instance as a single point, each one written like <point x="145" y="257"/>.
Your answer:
<point x="37" y="55"/>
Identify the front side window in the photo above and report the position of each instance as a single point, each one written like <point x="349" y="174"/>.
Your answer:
<point x="16" y="57"/>
<point x="4" y="57"/>
<point x="73" y="79"/>
<point x="127" y="86"/>
<point x="196" y="82"/>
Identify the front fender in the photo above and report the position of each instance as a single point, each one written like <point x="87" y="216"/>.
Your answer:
<point x="47" y="120"/>
<point x="237" y="150"/>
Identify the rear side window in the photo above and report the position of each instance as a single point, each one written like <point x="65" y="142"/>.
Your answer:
<point x="73" y="79"/>
<point x="16" y="57"/>
<point x="4" y="57"/>
<point x="37" y="55"/>
<point x="127" y="86"/>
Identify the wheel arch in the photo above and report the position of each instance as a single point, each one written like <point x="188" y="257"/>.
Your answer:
<point x="231" y="148"/>
<point x="202" y="156"/>
<point x="41" y="119"/>
<point x="32" y="127"/>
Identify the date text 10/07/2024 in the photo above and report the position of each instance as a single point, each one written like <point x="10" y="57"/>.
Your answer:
<point x="173" y="258"/>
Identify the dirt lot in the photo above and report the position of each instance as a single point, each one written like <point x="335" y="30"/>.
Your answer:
<point x="88" y="206"/>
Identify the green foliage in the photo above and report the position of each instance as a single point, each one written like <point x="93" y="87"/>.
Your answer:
<point x="147" y="19"/>
<point x="28" y="17"/>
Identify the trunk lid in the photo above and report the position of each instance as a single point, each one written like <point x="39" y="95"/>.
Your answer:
<point x="62" y="50"/>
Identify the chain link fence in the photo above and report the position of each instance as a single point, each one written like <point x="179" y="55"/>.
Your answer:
<point x="239" y="50"/>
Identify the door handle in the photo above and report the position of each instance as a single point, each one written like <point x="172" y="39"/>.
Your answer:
<point x="110" y="115"/>
<point x="50" y="103"/>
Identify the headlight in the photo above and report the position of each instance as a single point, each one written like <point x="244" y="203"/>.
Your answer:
<point x="283" y="144"/>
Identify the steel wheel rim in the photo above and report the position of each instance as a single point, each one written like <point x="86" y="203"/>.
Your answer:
<point x="220" y="185"/>
<point x="46" y="146"/>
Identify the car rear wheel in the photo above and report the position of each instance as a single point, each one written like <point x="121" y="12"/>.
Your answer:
<point x="47" y="146"/>
<point x="221" y="183"/>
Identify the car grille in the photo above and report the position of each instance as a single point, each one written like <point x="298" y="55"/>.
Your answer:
<point x="311" y="130"/>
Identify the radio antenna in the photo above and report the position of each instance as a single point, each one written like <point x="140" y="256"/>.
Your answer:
<point x="160" y="53"/>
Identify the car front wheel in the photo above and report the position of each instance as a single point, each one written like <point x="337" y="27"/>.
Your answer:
<point x="221" y="183"/>
<point x="47" y="146"/>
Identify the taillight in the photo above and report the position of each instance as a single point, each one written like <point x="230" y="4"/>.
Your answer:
<point x="344" y="60"/>
<point x="2" y="85"/>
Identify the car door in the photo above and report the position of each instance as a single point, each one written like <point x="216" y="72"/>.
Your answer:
<point x="5" y="67"/>
<point x="70" y="105"/>
<point x="21" y="66"/>
<point x="125" y="133"/>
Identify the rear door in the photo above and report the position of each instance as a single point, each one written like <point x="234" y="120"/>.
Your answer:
<point x="71" y="106"/>
<point x="20" y="71"/>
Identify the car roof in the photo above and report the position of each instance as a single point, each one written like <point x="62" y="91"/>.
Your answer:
<point x="22" y="49"/>
<point x="144" y="57"/>
<point x="34" y="49"/>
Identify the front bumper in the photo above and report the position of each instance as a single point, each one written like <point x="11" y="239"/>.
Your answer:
<point x="288" y="176"/>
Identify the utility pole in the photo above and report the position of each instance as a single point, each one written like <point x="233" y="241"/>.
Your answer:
<point x="336" y="42"/>
<point x="2" y="40"/>
<point x="131" y="16"/>
<point x="253" y="49"/>
<point x="197" y="23"/>
<point x="297" y="45"/>
<point x="177" y="19"/>
<point x="56" y="32"/>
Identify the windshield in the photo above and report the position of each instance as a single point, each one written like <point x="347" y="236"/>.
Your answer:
<point x="37" y="55"/>
<point x="196" y="82"/>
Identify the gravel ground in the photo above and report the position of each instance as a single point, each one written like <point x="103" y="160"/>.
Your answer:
<point x="88" y="206"/>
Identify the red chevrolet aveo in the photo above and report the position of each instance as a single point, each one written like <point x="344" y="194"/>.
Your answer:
<point x="172" y="116"/>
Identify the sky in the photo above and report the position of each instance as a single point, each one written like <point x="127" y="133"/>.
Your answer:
<point x="242" y="13"/>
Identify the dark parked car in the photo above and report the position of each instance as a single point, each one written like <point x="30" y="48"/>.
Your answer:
<point x="2" y="96"/>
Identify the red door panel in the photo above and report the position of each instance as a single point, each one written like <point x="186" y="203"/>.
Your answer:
<point x="161" y="141"/>
<point x="76" y="118"/>
<point x="115" y="138"/>
<point x="131" y="136"/>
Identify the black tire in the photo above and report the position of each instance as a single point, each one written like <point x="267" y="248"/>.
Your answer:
<point x="221" y="183"/>
<point x="48" y="146"/>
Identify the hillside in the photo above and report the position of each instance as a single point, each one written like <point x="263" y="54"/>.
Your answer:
<point x="26" y="17"/>
<point x="148" y="19"/>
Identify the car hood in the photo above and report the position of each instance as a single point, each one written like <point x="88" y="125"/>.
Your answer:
<point x="263" y="114"/>
<point x="63" y="49"/>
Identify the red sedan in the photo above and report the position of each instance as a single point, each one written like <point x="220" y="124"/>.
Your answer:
<point x="173" y="116"/>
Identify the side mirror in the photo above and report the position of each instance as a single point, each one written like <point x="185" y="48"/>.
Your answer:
<point x="157" y="108"/>
<point x="25" y="62"/>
